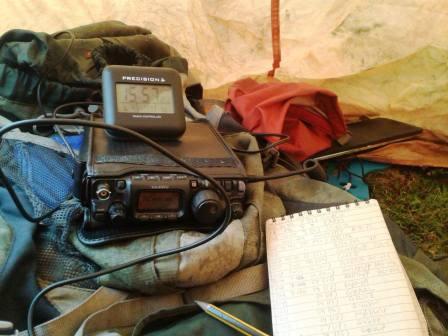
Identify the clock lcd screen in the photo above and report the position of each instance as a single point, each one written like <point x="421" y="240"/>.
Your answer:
<point x="144" y="98"/>
<point x="158" y="200"/>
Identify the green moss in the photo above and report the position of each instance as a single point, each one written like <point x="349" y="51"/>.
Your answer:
<point x="417" y="200"/>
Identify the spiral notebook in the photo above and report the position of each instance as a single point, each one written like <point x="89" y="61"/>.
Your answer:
<point x="335" y="271"/>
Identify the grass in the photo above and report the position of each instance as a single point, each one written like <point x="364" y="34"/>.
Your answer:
<point x="417" y="200"/>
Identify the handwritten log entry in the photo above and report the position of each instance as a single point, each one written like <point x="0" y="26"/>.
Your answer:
<point x="335" y="272"/>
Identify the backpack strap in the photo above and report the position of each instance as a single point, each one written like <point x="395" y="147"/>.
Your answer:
<point x="246" y="281"/>
<point x="108" y="308"/>
<point x="68" y="323"/>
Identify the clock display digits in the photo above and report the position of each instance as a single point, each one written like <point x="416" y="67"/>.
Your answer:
<point x="144" y="98"/>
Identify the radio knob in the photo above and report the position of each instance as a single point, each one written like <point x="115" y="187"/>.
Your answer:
<point x="117" y="213"/>
<point x="207" y="207"/>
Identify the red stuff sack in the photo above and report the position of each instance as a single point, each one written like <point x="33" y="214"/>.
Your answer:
<point x="308" y="114"/>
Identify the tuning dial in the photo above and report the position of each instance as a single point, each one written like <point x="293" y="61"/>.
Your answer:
<point x="207" y="207"/>
<point x="117" y="213"/>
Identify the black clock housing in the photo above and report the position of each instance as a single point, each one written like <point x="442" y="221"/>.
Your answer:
<point x="148" y="100"/>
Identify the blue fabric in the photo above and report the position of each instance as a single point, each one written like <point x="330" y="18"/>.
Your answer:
<point x="352" y="173"/>
<point x="18" y="284"/>
<point x="73" y="140"/>
<point x="43" y="180"/>
<point x="47" y="173"/>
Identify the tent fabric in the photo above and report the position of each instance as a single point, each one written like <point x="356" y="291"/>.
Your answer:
<point x="225" y="40"/>
<point x="411" y="90"/>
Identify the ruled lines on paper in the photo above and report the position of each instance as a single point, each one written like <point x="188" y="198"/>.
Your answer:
<point x="336" y="273"/>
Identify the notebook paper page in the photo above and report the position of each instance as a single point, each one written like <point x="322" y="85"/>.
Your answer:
<point x="335" y="272"/>
<point x="418" y="309"/>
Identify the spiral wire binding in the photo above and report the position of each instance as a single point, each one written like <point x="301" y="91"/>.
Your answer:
<point x="328" y="209"/>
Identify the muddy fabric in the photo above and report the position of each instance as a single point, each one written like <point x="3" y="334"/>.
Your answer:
<point x="112" y="312"/>
<point x="241" y="245"/>
<point x="411" y="153"/>
<point x="66" y="324"/>
<point x="291" y="195"/>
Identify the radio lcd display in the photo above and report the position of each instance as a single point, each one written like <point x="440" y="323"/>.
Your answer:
<point x="158" y="200"/>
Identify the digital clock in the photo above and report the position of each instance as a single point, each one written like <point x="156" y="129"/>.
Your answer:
<point x="148" y="100"/>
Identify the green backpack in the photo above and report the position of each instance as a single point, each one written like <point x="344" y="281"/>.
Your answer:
<point x="40" y="71"/>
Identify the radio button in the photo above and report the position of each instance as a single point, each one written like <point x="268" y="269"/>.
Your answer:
<point x="167" y="177"/>
<point x="153" y="177"/>
<point x="237" y="210"/>
<point x="121" y="184"/>
<point x="137" y="177"/>
<point x="181" y="177"/>
<point x="117" y="213"/>
<point x="228" y="185"/>
<point x="241" y="186"/>
<point x="100" y="216"/>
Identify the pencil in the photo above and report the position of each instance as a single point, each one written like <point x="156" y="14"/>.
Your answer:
<point x="230" y="320"/>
